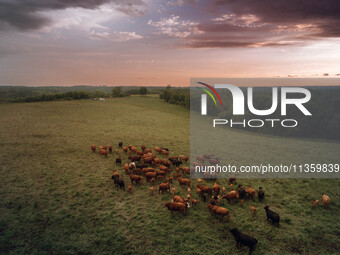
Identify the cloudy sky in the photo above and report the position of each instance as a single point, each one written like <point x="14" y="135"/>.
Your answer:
<point x="153" y="42"/>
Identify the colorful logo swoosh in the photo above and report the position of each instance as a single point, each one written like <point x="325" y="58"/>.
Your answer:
<point x="213" y="90"/>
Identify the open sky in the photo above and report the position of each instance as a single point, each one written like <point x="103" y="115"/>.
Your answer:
<point x="154" y="42"/>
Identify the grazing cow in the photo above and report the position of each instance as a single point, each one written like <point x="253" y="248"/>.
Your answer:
<point x="169" y="179"/>
<point x="129" y="188"/>
<point x="185" y="170"/>
<point x="179" y="199"/>
<point x="260" y="194"/>
<point x="165" y="153"/>
<point x="134" y="149"/>
<point x="164" y="187"/>
<point x="143" y="147"/>
<point x="163" y="173"/>
<point x="173" y="191"/>
<point x="103" y="152"/>
<point x="199" y="180"/>
<point x="141" y="166"/>
<point x="163" y="168"/>
<point x="136" y="158"/>
<point x="126" y="168"/>
<point x="166" y="149"/>
<point x="189" y="190"/>
<point x="102" y="148"/>
<point x="148" y="150"/>
<point x="273" y="216"/>
<point x="241" y="192"/>
<point x="251" y="192"/>
<point x="183" y="158"/>
<point x="150" y="175"/>
<point x="120" y="183"/>
<point x="118" y="161"/>
<point x="315" y="203"/>
<point x="159" y="150"/>
<point x="132" y="165"/>
<point x="120" y="144"/>
<point x="174" y="158"/>
<point x="183" y="181"/>
<point x="253" y="210"/>
<point x="151" y="189"/>
<point x="205" y="189"/>
<point x="136" y="179"/>
<point x="325" y="200"/>
<point x="231" y="196"/>
<point x="176" y="175"/>
<point x="216" y="188"/>
<point x="125" y="149"/>
<point x="216" y="210"/>
<point x="166" y="162"/>
<point x="117" y="152"/>
<point x="147" y="170"/>
<point x="93" y="148"/>
<point x="244" y="240"/>
<point x="110" y="148"/>
<point x="177" y="163"/>
<point x="176" y="206"/>
<point x="194" y="202"/>
<point x="152" y="181"/>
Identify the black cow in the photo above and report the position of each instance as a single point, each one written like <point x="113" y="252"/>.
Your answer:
<point x="244" y="240"/>
<point x="273" y="216"/>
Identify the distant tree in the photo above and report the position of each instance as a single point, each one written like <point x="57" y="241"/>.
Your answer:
<point x="117" y="92"/>
<point x="143" y="91"/>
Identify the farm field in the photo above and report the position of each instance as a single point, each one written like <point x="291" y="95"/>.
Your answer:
<point x="58" y="197"/>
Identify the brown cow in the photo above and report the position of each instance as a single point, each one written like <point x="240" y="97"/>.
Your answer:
<point x="136" y="158"/>
<point x="175" y="206"/>
<point x="110" y="148"/>
<point x="216" y="188"/>
<point x="159" y="150"/>
<point x="231" y="196"/>
<point x="103" y="152"/>
<point x="150" y="175"/>
<point x="183" y="181"/>
<point x="216" y="210"/>
<point x="93" y="148"/>
<point x="185" y="170"/>
<point x="179" y="199"/>
<point x="164" y="187"/>
<point x="136" y="178"/>
<point x="177" y="175"/>
<point x="205" y="189"/>
<point x="183" y="158"/>
<point x="147" y="170"/>
<point x="251" y="192"/>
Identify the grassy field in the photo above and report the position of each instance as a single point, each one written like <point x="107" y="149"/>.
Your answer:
<point x="57" y="197"/>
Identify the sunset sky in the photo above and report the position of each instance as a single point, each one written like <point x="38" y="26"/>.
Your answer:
<point x="155" y="43"/>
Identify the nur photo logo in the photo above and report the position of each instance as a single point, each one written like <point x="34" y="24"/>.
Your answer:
<point x="295" y="96"/>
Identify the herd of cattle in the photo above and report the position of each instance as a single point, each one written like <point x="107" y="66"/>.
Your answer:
<point x="144" y="165"/>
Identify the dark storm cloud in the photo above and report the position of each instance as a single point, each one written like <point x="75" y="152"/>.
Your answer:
<point x="275" y="22"/>
<point x="24" y="14"/>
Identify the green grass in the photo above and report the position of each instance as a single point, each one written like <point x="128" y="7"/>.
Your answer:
<point x="57" y="197"/>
